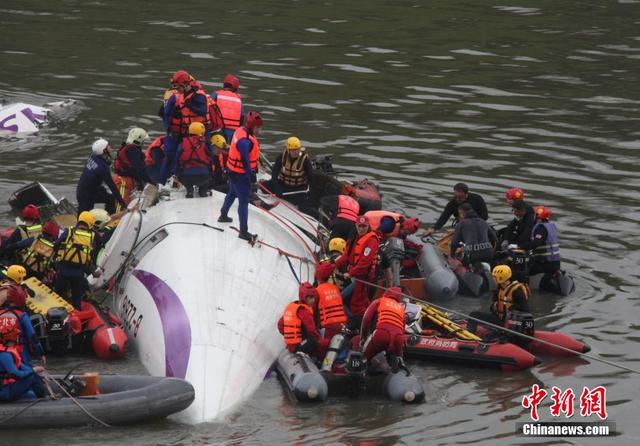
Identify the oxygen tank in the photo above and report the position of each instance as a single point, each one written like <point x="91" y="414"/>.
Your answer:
<point x="440" y="281"/>
<point x="334" y="348"/>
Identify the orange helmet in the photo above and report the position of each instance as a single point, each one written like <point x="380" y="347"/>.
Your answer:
<point x="543" y="212"/>
<point x="515" y="194"/>
<point x="393" y="293"/>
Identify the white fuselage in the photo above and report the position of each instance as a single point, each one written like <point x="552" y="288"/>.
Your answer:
<point x="202" y="304"/>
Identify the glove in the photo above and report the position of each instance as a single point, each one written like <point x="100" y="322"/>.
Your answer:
<point x="28" y="290"/>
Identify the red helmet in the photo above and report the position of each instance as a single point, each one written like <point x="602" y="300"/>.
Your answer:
<point x="543" y="212"/>
<point x="9" y="330"/>
<point x="515" y="194"/>
<point x="253" y="120"/>
<point x="324" y="270"/>
<point x="51" y="228"/>
<point x="306" y="290"/>
<point x="393" y="293"/>
<point x="411" y="225"/>
<point x="181" y="77"/>
<point x="30" y="212"/>
<point x="232" y="81"/>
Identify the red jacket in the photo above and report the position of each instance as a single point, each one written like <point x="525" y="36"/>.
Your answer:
<point x="360" y="266"/>
<point x="370" y="323"/>
<point x="308" y="326"/>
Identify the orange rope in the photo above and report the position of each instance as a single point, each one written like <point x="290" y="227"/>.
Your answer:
<point x="290" y="207"/>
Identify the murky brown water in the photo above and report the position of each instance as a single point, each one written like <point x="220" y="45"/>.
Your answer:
<point x="415" y="95"/>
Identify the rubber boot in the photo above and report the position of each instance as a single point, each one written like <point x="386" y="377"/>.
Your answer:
<point x="224" y="219"/>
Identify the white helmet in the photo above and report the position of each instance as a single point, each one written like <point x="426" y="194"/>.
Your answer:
<point x="102" y="217"/>
<point x="137" y="136"/>
<point x="99" y="146"/>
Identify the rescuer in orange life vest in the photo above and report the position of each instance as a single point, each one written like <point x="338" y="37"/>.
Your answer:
<point x="383" y="328"/>
<point x="342" y="211"/>
<point x="229" y="102"/>
<point x="195" y="158"/>
<point x="298" y="327"/>
<point x="330" y="310"/>
<point x="242" y="163"/>
<point x="359" y="258"/>
<point x="17" y="379"/>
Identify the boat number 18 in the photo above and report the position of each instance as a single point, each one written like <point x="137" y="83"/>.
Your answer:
<point x="128" y="314"/>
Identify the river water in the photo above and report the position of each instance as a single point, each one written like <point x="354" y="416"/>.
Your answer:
<point x="414" y="95"/>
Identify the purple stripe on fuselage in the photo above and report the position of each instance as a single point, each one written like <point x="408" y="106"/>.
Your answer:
<point x="175" y="323"/>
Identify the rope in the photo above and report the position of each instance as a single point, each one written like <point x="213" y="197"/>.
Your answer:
<point x="507" y="330"/>
<point x="293" y="270"/>
<point x="75" y="401"/>
<point x="28" y="406"/>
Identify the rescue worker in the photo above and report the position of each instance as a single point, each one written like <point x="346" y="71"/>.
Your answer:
<point x="545" y="244"/>
<point x="392" y="224"/>
<point x="330" y="312"/>
<point x="230" y="104"/>
<point x="383" y="328"/>
<point x="220" y="157"/>
<point x="511" y="295"/>
<point x="154" y="157"/>
<point x="336" y="247"/>
<point x="517" y="234"/>
<point x="172" y="121"/>
<point x="30" y="227"/>
<point x="360" y="259"/>
<point x="461" y="195"/>
<point x="473" y="237"/>
<point x="12" y="310"/>
<point x="291" y="175"/>
<point x="244" y="154"/>
<point x="129" y="166"/>
<point x="17" y="379"/>
<point x="96" y="173"/>
<point x="36" y="253"/>
<point x="76" y="251"/>
<point x="342" y="212"/>
<point x="195" y="158"/>
<point x="298" y="327"/>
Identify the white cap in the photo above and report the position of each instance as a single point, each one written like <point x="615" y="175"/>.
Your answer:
<point x="99" y="146"/>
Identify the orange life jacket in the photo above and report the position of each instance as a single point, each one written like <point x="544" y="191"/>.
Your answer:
<point x="6" y="380"/>
<point x="330" y="306"/>
<point x="157" y="144"/>
<point x="348" y="208"/>
<point x="194" y="153"/>
<point x="188" y="116"/>
<point x="505" y="297"/>
<point x="390" y="311"/>
<point x="175" y="123"/>
<point x="293" y="324"/>
<point x="216" y="122"/>
<point x="234" y="162"/>
<point x="375" y="217"/>
<point x="230" y="105"/>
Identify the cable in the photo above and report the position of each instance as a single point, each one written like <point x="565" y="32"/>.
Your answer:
<point x="507" y="330"/>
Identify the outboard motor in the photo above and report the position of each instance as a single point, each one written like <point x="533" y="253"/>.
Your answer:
<point x="355" y="368"/>
<point x="58" y="337"/>
<point x="323" y="164"/>
<point x="521" y="322"/>
<point x="394" y="250"/>
<point x="519" y="263"/>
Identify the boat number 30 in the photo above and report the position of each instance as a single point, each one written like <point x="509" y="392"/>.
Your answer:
<point x="129" y="315"/>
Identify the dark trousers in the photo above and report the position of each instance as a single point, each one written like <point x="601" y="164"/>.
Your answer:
<point x="86" y="203"/>
<point x="192" y="181"/>
<point x="21" y="388"/>
<point x="546" y="267"/>
<point x="240" y="188"/>
<point x="482" y="315"/>
<point x="78" y="285"/>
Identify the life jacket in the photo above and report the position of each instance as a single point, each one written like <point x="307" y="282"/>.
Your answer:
<point x="330" y="307"/>
<point x="122" y="166"/>
<point x="358" y="249"/>
<point x="234" y="162"/>
<point x="38" y="256"/>
<point x="30" y="231"/>
<point x="348" y="208"/>
<point x="77" y="248"/>
<point x="292" y="172"/>
<point x="175" y="122"/>
<point x="188" y="116"/>
<point x="230" y="105"/>
<point x="194" y="153"/>
<point x="375" y="217"/>
<point x="216" y="122"/>
<point x="390" y="311"/>
<point x="157" y="144"/>
<point x="505" y="297"/>
<point x="293" y="324"/>
<point x="549" y="252"/>
<point x="6" y="377"/>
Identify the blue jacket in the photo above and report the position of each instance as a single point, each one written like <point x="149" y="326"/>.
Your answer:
<point x="96" y="172"/>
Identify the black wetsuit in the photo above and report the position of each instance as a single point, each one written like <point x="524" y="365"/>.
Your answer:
<point x="451" y="209"/>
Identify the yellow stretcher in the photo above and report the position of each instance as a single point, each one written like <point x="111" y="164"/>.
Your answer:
<point x="440" y="319"/>
<point x="44" y="298"/>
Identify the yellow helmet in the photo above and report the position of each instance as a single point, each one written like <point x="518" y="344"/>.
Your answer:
<point x="17" y="273"/>
<point x="219" y="141"/>
<point x="87" y="218"/>
<point x="196" y="128"/>
<point x="293" y="143"/>
<point x="501" y="273"/>
<point x="101" y="216"/>
<point x="337" y="244"/>
<point x="137" y="136"/>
